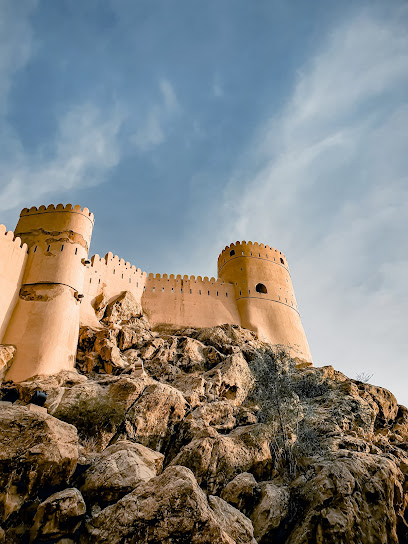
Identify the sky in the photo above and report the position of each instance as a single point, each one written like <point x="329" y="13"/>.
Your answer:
<point x="186" y="125"/>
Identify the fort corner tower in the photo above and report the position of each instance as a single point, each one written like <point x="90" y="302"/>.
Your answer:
<point x="264" y="295"/>
<point x="45" y="322"/>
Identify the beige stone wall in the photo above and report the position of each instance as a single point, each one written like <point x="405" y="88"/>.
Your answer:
<point x="189" y="301"/>
<point x="273" y="315"/>
<point x="111" y="276"/>
<point x="45" y="322"/>
<point x="13" y="256"/>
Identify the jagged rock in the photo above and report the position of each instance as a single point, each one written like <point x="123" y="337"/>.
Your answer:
<point x="154" y="416"/>
<point x="58" y="516"/>
<point x="231" y="379"/>
<point x="119" y="469"/>
<point x="330" y="454"/>
<point x="6" y="357"/>
<point x="99" y="305"/>
<point x="241" y="492"/>
<point x="134" y="334"/>
<point x="217" y="460"/>
<point x="232" y="521"/>
<point x="36" y="451"/>
<point x="98" y="408"/>
<point x="123" y="308"/>
<point x="168" y="509"/>
<point x="272" y="508"/>
<point x="53" y="386"/>
<point x="354" y="497"/>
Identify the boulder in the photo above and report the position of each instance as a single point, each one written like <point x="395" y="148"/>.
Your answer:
<point x="231" y="379"/>
<point x="218" y="459"/>
<point x="118" y="470"/>
<point x="58" y="516"/>
<point x="232" y="521"/>
<point x="271" y="509"/>
<point x="37" y="451"/>
<point x="154" y="416"/>
<point x="98" y="408"/>
<point x="169" y="508"/>
<point x="241" y="492"/>
<point x="123" y="308"/>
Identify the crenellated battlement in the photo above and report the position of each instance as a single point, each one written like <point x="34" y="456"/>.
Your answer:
<point x="51" y="208"/>
<point x="251" y="249"/>
<point x="9" y="237"/>
<point x="184" y="278"/>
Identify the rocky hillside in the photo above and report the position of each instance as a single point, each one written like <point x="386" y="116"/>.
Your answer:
<point x="198" y="436"/>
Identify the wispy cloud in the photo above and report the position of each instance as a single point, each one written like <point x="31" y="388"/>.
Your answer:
<point x="326" y="181"/>
<point x="86" y="149"/>
<point x="85" y="145"/>
<point x="152" y="129"/>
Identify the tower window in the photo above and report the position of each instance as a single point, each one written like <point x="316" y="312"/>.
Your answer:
<point x="260" y="288"/>
<point x="48" y="248"/>
<point x="232" y="252"/>
<point x="282" y="261"/>
<point x="62" y="247"/>
<point x="76" y="251"/>
<point x="35" y="249"/>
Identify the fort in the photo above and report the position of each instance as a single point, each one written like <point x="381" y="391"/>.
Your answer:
<point x="48" y="288"/>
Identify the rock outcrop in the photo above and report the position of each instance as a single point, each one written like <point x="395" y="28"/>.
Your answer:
<point x="201" y="436"/>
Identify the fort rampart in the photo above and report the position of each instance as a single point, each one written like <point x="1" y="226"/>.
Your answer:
<point x="49" y="286"/>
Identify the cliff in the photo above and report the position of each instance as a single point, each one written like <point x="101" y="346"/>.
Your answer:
<point x="198" y="435"/>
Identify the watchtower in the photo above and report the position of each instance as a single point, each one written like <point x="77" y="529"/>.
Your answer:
<point x="45" y="321"/>
<point x="264" y="295"/>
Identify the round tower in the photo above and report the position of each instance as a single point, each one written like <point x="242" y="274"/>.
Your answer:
<point x="45" y="322"/>
<point x="264" y="295"/>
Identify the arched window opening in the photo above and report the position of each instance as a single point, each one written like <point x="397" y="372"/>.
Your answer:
<point x="62" y="247"/>
<point x="48" y="248"/>
<point x="35" y="249"/>
<point x="282" y="261"/>
<point x="261" y="288"/>
<point x="232" y="252"/>
<point x="76" y="251"/>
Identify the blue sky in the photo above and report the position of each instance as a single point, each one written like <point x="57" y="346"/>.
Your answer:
<point x="188" y="125"/>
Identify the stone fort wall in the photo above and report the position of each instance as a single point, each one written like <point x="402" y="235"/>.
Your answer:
<point x="48" y="286"/>
<point x="13" y="258"/>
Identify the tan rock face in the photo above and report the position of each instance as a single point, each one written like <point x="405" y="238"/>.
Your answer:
<point x="118" y="470"/>
<point x="254" y="447"/>
<point x="58" y="516"/>
<point x="36" y="451"/>
<point x="169" y="508"/>
<point x="122" y="308"/>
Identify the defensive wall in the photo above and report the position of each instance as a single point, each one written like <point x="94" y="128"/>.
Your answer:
<point x="182" y="301"/>
<point x="13" y="258"/>
<point x="49" y="286"/>
<point x="109" y="276"/>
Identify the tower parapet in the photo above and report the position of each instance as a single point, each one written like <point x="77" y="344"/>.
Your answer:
<point x="45" y="321"/>
<point x="264" y="294"/>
